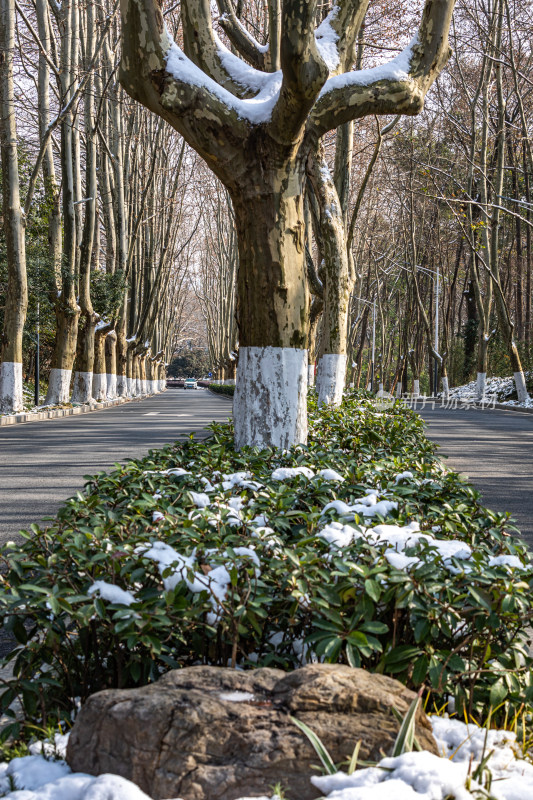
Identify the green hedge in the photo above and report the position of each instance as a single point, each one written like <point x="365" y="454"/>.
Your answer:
<point x="222" y="388"/>
<point x="290" y="595"/>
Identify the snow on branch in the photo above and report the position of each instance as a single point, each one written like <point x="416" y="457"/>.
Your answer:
<point x="397" y="87"/>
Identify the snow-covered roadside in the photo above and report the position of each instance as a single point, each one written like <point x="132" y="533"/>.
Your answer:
<point x="411" y="776"/>
<point x="496" y="391"/>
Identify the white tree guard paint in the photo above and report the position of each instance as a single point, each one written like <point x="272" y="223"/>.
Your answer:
<point x="270" y="401"/>
<point x="82" y="387"/>
<point x="111" y="379"/>
<point x="521" y="388"/>
<point x="122" y="386"/>
<point x="416" y="388"/>
<point x="398" y="390"/>
<point x="481" y="384"/>
<point x="100" y="386"/>
<point x="11" y="397"/>
<point x="311" y="375"/>
<point x="138" y="387"/>
<point x="230" y="382"/>
<point x="58" y="386"/>
<point x="330" y="375"/>
<point x="445" y="387"/>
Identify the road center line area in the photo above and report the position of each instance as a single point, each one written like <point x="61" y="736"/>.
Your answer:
<point x="494" y="449"/>
<point x="43" y="463"/>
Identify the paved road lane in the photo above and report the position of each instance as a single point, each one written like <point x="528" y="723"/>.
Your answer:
<point x="495" y="449"/>
<point x="43" y="463"/>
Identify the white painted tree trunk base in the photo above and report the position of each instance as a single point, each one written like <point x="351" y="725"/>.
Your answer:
<point x="398" y="390"/>
<point x="521" y="388"/>
<point x="481" y="385"/>
<point x="82" y="388"/>
<point x="330" y="375"/>
<point x="445" y="387"/>
<point x="58" y="387"/>
<point x="311" y="375"/>
<point x="416" y="388"/>
<point x="11" y="397"/>
<point x="111" y="379"/>
<point x="122" y="386"/>
<point x="100" y="386"/>
<point x="270" y="401"/>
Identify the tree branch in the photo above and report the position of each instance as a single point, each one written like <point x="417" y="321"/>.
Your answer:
<point x="398" y="87"/>
<point x="157" y="74"/>
<point x="304" y="70"/>
<point x="201" y="46"/>
<point x="243" y="42"/>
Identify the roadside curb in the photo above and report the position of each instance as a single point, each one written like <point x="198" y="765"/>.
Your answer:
<point x="58" y="413"/>
<point x="223" y="396"/>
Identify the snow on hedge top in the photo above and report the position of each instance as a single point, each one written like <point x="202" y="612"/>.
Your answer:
<point x="112" y="593"/>
<point x="286" y="473"/>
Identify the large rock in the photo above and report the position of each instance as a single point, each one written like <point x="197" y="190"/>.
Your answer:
<point x="219" y="734"/>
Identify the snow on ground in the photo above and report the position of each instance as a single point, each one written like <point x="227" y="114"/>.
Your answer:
<point x="497" y="391"/>
<point x="424" y="776"/>
<point x="411" y="776"/>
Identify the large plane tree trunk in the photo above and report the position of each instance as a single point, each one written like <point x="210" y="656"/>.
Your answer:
<point x="271" y="393"/>
<point x="11" y="399"/>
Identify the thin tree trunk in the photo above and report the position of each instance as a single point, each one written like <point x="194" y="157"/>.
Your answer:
<point x="11" y="397"/>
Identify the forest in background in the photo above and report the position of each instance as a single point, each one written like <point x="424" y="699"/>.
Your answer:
<point x="130" y="241"/>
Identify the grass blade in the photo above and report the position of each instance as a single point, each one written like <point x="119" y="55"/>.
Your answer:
<point x="320" y="749"/>
<point x="406" y="735"/>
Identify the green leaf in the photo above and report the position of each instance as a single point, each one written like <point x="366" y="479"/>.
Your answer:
<point x="372" y="589"/>
<point x="420" y="670"/>
<point x="498" y="693"/>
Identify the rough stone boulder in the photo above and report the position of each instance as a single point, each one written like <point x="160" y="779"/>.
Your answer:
<point x="208" y="733"/>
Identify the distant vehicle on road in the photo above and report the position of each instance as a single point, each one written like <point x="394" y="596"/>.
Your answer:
<point x="191" y="383"/>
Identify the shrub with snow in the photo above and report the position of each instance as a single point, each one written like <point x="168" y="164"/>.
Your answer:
<point x="358" y="548"/>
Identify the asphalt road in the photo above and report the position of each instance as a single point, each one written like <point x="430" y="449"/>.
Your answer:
<point x="43" y="463"/>
<point x="495" y="449"/>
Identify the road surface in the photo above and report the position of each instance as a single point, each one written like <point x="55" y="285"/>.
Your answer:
<point x="495" y="449"/>
<point x="43" y="463"/>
